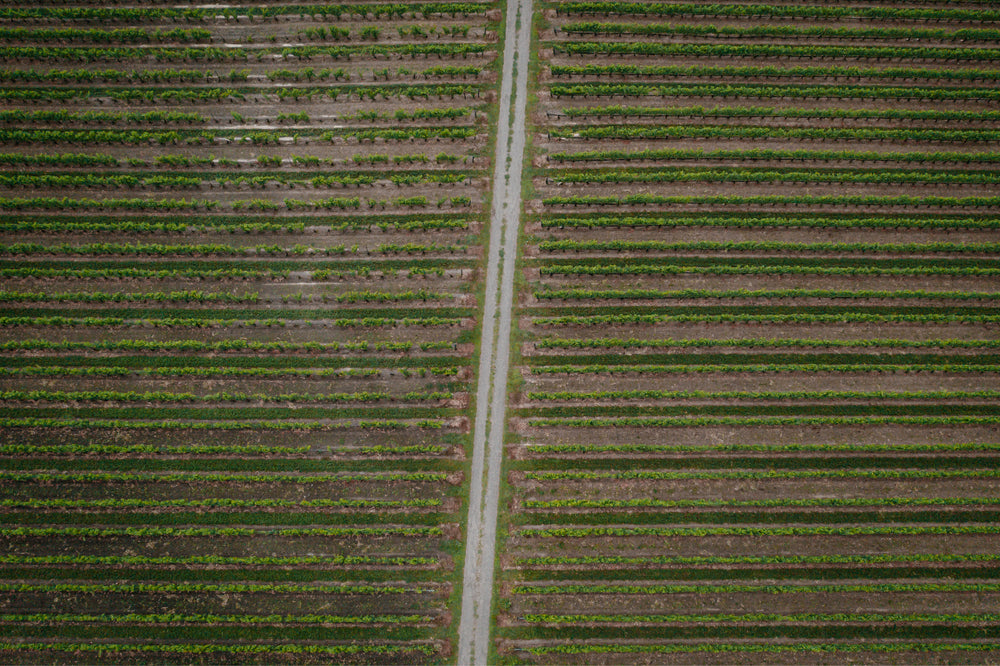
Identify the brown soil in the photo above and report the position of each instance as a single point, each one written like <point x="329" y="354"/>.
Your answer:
<point x="749" y="602"/>
<point x="739" y="546"/>
<point x="770" y="143"/>
<point x="559" y="120"/>
<point x="792" y="434"/>
<point x="771" y="381"/>
<point x="766" y="488"/>
<point x="765" y="189"/>
<point x="563" y="59"/>
<point x="934" y="283"/>
<point x="257" y="545"/>
<point x="747" y="21"/>
<point x="222" y="604"/>
<point x="238" y="490"/>
<point x="324" y="150"/>
<point x="776" y="234"/>
<point x="752" y="658"/>
<point x="278" y="385"/>
<point x="367" y="240"/>
<point x="318" y="442"/>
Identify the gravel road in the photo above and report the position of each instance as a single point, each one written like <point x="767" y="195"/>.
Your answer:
<point x="491" y="393"/>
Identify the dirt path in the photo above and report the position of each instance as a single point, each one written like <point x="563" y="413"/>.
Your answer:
<point x="491" y="394"/>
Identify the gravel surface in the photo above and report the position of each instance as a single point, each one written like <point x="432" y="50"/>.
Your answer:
<point x="491" y="394"/>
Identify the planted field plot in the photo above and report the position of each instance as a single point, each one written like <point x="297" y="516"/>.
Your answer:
<point x="239" y="248"/>
<point x="756" y="419"/>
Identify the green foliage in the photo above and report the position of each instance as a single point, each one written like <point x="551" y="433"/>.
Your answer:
<point x="276" y="650"/>
<point x="216" y="532"/>
<point x="709" y="368"/>
<point x="700" y="421"/>
<point x="766" y="246"/>
<point x="405" y="134"/>
<point x="772" y="200"/>
<point x="207" y="619"/>
<point x="694" y="294"/>
<point x="764" y="318"/>
<point x="216" y="504"/>
<point x="210" y="322"/>
<point x="304" y="426"/>
<point x="770" y="647"/>
<point x="220" y="346"/>
<point x="64" y="203"/>
<point x="167" y="396"/>
<point x="774" y="11"/>
<point x="220" y="371"/>
<point x="659" y="449"/>
<point x="63" y="160"/>
<point x="743" y="175"/>
<point x="769" y="221"/>
<point x="200" y="95"/>
<point x="772" y="71"/>
<point x="101" y="36"/>
<point x="213" y="477"/>
<point x="326" y="11"/>
<point x="64" y="116"/>
<point x="778" y="51"/>
<point x="764" y="91"/>
<point x="860" y="343"/>
<point x="125" y="297"/>
<point x="239" y="561"/>
<point x="754" y="395"/>
<point x="158" y="249"/>
<point x="753" y="112"/>
<point x="20" y="76"/>
<point x="649" y="132"/>
<point x="821" y="530"/>
<point x="769" y="155"/>
<point x="758" y="269"/>
<point x="749" y="30"/>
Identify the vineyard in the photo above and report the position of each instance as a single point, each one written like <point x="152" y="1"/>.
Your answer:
<point x="258" y="267"/>
<point x="754" y="399"/>
<point x="240" y="248"/>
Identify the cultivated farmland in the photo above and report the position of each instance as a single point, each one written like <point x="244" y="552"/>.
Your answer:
<point x="755" y="417"/>
<point x="240" y="249"/>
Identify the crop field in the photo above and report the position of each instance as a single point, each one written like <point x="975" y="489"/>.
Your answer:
<point x="240" y="248"/>
<point x="247" y="254"/>
<point x="755" y="414"/>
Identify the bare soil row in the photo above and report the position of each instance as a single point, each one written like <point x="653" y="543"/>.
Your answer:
<point x="781" y="234"/>
<point x="272" y="604"/>
<point x="751" y="489"/>
<point x="875" y="433"/>
<point x="765" y="545"/>
<point x="769" y="381"/>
